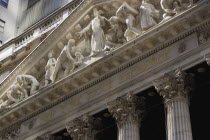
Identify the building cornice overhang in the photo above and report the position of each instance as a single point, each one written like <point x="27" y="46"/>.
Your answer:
<point x="153" y="40"/>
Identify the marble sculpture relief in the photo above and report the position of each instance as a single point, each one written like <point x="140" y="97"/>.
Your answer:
<point x="127" y="14"/>
<point x="104" y="35"/>
<point x="13" y="95"/>
<point x="148" y="15"/>
<point x="28" y="84"/>
<point x="50" y="68"/>
<point x="97" y="37"/>
<point x="115" y="35"/>
<point x="66" y="63"/>
<point x="173" y="7"/>
<point x="78" y="60"/>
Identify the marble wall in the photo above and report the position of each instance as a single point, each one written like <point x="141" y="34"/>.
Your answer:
<point x="40" y="9"/>
<point x="9" y="15"/>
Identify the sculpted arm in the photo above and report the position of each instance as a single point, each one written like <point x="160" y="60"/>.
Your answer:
<point x="131" y="9"/>
<point x="165" y="6"/>
<point x="54" y="61"/>
<point x="3" y="105"/>
<point x="47" y="66"/>
<point x="104" y="21"/>
<point x="87" y="28"/>
<point x="57" y="68"/>
<point x="11" y="98"/>
<point x="68" y="54"/>
<point x="23" y="93"/>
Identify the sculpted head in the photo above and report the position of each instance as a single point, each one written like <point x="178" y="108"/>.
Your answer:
<point x="114" y="20"/>
<point x="78" y="54"/>
<point x="14" y="87"/>
<point x="95" y="12"/>
<point x="19" y="79"/>
<point x="71" y="42"/>
<point x="50" y="55"/>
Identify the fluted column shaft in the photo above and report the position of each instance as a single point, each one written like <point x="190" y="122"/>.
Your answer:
<point x="128" y="130"/>
<point x="175" y="88"/>
<point x="178" y="119"/>
<point x="128" y="111"/>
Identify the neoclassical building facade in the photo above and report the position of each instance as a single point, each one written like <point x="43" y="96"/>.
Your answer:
<point x="108" y="70"/>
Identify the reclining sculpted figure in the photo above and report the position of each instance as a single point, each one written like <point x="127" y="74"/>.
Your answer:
<point x="78" y="59"/>
<point x="14" y="95"/>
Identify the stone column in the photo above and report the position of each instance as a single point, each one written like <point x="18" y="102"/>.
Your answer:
<point x="128" y="112"/>
<point x="81" y="128"/>
<point x="175" y="88"/>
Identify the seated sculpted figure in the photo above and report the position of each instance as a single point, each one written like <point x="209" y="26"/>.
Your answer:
<point x="14" y="95"/>
<point x="65" y="61"/>
<point x="78" y="59"/>
<point x="28" y="84"/>
<point x="148" y="15"/>
<point x="50" y="68"/>
<point x="115" y="35"/>
<point x="172" y="7"/>
<point x="97" y="38"/>
<point x="127" y="14"/>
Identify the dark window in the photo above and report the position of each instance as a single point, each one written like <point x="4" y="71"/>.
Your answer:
<point x="4" y="3"/>
<point x="2" y="24"/>
<point x="1" y="42"/>
<point x="32" y="2"/>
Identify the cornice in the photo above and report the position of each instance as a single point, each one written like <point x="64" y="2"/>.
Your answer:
<point x="57" y="92"/>
<point x="13" y="63"/>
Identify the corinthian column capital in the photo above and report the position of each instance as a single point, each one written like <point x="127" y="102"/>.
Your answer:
<point x="175" y="84"/>
<point x="127" y="108"/>
<point x="81" y="127"/>
<point x="10" y="135"/>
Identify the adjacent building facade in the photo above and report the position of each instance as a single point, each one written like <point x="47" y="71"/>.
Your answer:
<point x="104" y="69"/>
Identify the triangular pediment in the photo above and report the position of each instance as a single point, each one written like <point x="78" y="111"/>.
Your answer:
<point x="89" y="68"/>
